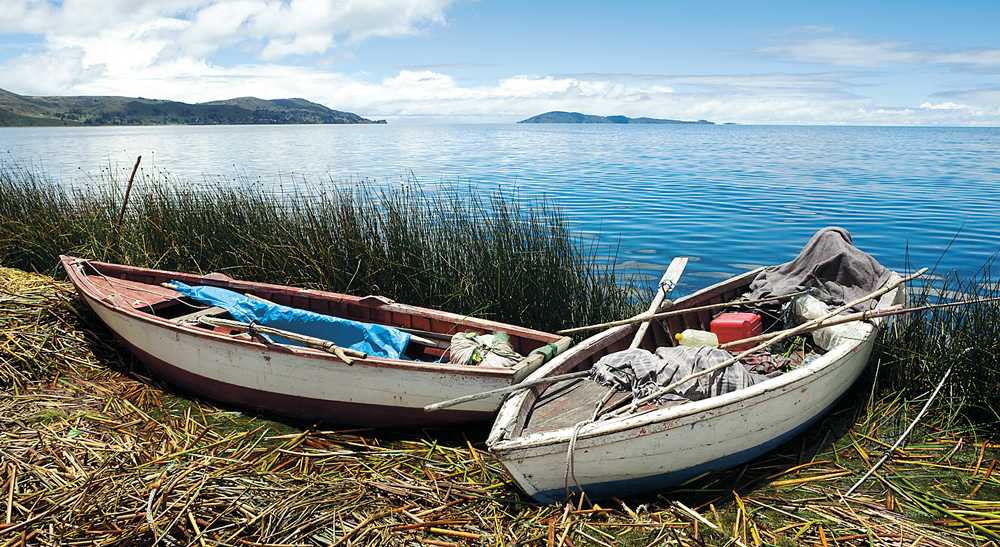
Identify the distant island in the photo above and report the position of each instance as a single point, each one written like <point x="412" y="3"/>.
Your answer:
<point x="21" y="110"/>
<point x="558" y="116"/>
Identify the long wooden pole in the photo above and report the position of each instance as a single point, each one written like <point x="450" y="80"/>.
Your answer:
<point x="503" y="390"/>
<point x="619" y="410"/>
<point x="667" y="284"/>
<point x="128" y="192"/>
<point x="863" y="316"/>
<point x="671" y="313"/>
<point x="540" y="356"/>
<point x="344" y="354"/>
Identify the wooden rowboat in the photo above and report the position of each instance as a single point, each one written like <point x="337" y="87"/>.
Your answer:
<point x="662" y="446"/>
<point x="166" y="334"/>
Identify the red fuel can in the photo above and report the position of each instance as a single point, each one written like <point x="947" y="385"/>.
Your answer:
<point x="732" y="326"/>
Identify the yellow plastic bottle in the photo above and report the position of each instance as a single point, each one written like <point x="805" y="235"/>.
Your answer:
<point x="694" y="338"/>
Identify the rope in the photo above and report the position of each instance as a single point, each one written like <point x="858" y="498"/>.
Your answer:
<point x="571" y="448"/>
<point x="570" y="461"/>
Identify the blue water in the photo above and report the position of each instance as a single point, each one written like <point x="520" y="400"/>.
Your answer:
<point x="731" y="197"/>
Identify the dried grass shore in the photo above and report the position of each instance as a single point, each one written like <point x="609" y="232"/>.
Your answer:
<point x="93" y="452"/>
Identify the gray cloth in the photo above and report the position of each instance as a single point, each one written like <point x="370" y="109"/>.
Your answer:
<point x="642" y="372"/>
<point x="830" y="265"/>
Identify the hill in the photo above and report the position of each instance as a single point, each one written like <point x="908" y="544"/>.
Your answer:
<point x="558" y="116"/>
<point x="21" y="110"/>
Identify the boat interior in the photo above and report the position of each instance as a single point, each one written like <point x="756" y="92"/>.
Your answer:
<point x="148" y="291"/>
<point x="567" y="403"/>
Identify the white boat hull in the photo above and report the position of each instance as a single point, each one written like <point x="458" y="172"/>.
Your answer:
<point x="302" y="383"/>
<point x="667" y="446"/>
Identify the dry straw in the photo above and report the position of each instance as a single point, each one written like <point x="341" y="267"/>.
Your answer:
<point x="92" y="452"/>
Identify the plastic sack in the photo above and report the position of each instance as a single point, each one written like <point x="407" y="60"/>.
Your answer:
<point x="483" y="350"/>
<point x="808" y="307"/>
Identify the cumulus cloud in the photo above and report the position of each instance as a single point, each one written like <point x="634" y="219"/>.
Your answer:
<point x="279" y="28"/>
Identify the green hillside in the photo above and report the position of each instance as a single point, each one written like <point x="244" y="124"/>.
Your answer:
<point x="21" y="110"/>
<point x="558" y="116"/>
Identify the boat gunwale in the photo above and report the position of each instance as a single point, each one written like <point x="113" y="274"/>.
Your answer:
<point x="500" y="445"/>
<point x="79" y="280"/>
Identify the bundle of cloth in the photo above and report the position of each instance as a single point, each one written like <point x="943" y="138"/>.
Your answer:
<point x="830" y="267"/>
<point x="642" y="372"/>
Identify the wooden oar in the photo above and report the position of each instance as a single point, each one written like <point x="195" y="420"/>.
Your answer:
<point x="671" y="313"/>
<point x="667" y="284"/>
<point x="618" y="410"/>
<point x="345" y="354"/>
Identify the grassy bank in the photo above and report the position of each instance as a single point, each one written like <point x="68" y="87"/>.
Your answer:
<point x="91" y="451"/>
<point x="451" y="249"/>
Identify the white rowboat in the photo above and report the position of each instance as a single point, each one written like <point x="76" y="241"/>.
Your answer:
<point x="661" y="446"/>
<point x="172" y="339"/>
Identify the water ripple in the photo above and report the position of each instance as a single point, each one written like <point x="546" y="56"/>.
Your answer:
<point x="730" y="195"/>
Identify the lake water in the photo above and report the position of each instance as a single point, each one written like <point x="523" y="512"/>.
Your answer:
<point x="732" y="197"/>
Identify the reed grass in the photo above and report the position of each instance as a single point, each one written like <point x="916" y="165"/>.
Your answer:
<point x="917" y="349"/>
<point x="448" y="248"/>
<point x="92" y="452"/>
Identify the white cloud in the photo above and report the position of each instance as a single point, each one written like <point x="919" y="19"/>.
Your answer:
<point x="871" y="53"/>
<point x="845" y="51"/>
<point x="161" y="48"/>
<point x="277" y="27"/>
<point x="948" y="105"/>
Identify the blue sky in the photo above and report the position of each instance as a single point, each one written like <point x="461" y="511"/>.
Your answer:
<point x="427" y="60"/>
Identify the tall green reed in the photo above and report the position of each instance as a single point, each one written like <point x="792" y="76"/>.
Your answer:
<point x="448" y="247"/>
<point x="917" y="349"/>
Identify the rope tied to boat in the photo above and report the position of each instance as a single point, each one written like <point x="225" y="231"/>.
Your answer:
<point x="571" y="448"/>
<point x="253" y="332"/>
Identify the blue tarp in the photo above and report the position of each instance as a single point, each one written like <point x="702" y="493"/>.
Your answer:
<point x="375" y="340"/>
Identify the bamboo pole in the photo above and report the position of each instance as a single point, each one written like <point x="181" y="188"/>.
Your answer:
<point x="345" y="354"/>
<point x="504" y="390"/>
<point x="863" y="316"/>
<point x="615" y="412"/>
<point x="650" y="316"/>
<point x="840" y="320"/>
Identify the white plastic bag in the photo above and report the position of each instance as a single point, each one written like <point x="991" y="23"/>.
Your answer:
<point x="808" y="307"/>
